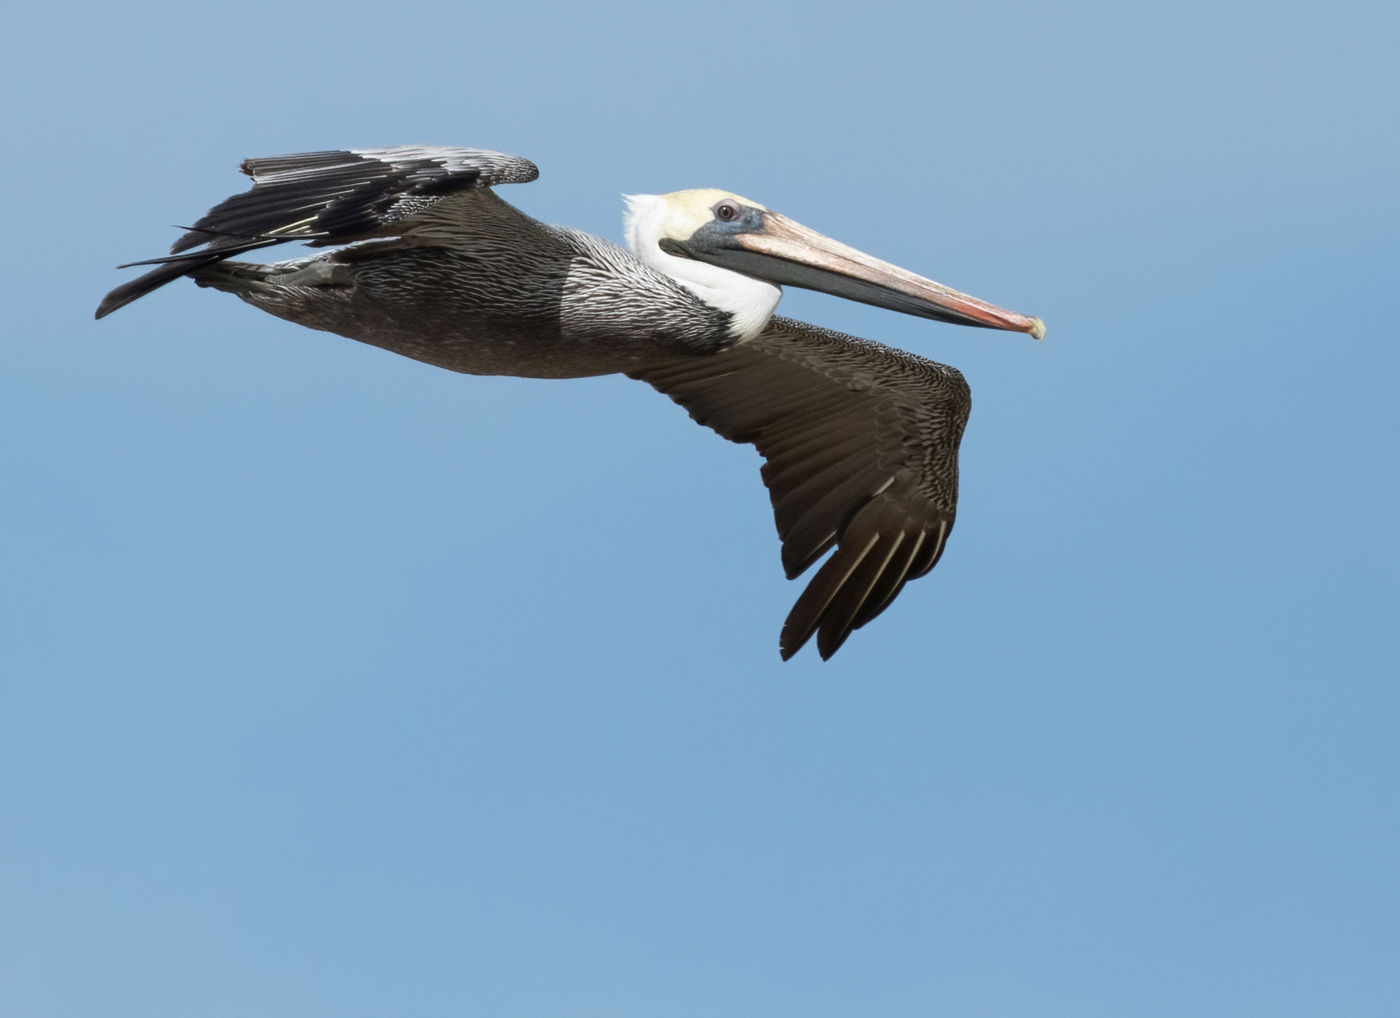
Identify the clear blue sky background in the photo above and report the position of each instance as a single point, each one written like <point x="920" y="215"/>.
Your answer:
<point x="337" y="685"/>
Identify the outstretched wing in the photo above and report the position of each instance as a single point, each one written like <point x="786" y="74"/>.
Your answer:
<point x="325" y="198"/>
<point x="860" y="443"/>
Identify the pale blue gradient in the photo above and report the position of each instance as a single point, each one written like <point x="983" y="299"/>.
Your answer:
<point x="337" y="685"/>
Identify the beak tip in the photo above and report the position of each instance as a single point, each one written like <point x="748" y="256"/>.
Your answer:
<point x="1037" y="330"/>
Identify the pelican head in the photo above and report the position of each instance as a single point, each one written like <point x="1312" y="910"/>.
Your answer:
<point x="734" y="254"/>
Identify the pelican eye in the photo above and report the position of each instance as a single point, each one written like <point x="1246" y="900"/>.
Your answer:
<point x="727" y="211"/>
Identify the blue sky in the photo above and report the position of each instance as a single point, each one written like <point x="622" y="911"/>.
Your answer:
<point x="338" y="685"/>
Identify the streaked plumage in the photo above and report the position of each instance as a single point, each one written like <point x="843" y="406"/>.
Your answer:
<point x="860" y="441"/>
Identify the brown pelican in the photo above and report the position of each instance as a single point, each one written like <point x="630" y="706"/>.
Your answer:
<point x="860" y="441"/>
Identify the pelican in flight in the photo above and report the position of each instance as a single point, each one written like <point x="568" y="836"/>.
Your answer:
<point x="859" y="440"/>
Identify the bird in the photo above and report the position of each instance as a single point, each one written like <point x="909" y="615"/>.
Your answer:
<point x="859" y="440"/>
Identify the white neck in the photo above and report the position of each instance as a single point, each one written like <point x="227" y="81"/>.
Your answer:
<point x="750" y="301"/>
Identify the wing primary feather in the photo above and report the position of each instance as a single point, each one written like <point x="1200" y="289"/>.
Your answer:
<point x="819" y="526"/>
<point x="932" y="550"/>
<point x="807" y="613"/>
<point x="828" y="514"/>
<point x="892" y="581"/>
<point x="839" y="617"/>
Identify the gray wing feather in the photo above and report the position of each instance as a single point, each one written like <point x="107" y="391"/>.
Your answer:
<point x="332" y="197"/>
<point x="860" y="443"/>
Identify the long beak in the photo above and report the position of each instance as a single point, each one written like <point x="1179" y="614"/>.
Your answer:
<point x="786" y="252"/>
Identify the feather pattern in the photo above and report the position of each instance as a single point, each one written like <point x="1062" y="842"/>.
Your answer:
<point x="859" y="440"/>
<point x="866" y="460"/>
<point x="325" y="197"/>
<point x="435" y="266"/>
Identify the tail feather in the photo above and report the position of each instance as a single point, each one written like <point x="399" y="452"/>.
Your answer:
<point x="172" y="267"/>
<point x="144" y="284"/>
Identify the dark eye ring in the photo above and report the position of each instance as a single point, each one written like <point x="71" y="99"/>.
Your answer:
<point x="726" y="211"/>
